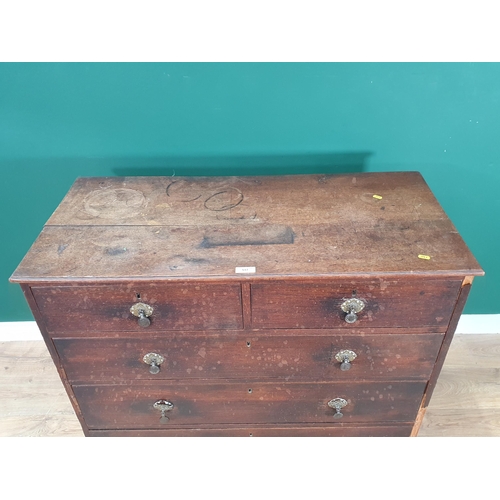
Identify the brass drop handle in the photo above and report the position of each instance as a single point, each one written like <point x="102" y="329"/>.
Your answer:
<point x="352" y="307"/>
<point x="154" y="360"/>
<point x="337" y="404"/>
<point x="163" y="406"/>
<point x="345" y="357"/>
<point x="142" y="311"/>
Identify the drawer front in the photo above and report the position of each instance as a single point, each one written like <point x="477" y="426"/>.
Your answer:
<point x="389" y="304"/>
<point x="339" y="430"/>
<point x="239" y="356"/>
<point x="71" y="309"/>
<point x="132" y="406"/>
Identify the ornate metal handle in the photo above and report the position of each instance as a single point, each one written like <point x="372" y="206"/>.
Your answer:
<point x="163" y="406"/>
<point x="154" y="360"/>
<point x="142" y="311"/>
<point x="345" y="357"/>
<point x="352" y="307"/>
<point x="337" y="404"/>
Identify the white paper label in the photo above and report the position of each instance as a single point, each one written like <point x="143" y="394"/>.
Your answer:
<point x="245" y="270"/>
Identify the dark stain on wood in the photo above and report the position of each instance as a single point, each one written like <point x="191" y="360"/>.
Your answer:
<point x="61" y="248"/>
<point x="115" y="251"/>
<point x="268" y="234"/>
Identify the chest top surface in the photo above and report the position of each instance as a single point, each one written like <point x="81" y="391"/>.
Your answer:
<point x="370" y="224"/>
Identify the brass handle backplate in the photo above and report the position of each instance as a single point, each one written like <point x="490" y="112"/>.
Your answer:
<point x="345" y="357"/>
<point x="352" y="307"/>
<point x="163" y="406"/>
<point x="154" y="360"/>
<point x="142" y="311"/>
<point x="337" y="404"/>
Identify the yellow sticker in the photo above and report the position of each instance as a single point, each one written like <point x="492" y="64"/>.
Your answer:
<point x="377" y="196"/>
<point x="425" y="257"/>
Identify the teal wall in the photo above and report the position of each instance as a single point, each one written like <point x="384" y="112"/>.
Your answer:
<point x="60" y="121"/>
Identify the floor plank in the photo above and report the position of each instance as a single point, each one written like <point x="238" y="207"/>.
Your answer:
<point x="466" y="401"/>
<point x="456" y="423"/>
<point x="33" y="401"/>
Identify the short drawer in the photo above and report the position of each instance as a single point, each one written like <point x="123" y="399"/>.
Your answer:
<point x="240" y="356"/>
<point x="133" y="406"/>
<point x="386" y="304"/>
<point x="68" y="309"/>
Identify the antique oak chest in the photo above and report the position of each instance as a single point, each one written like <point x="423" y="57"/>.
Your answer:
<point x="308" y="305"/>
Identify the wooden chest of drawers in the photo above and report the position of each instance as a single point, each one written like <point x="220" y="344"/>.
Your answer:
<point x="249" y="306"/>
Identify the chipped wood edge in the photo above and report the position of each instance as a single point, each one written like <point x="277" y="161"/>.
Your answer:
<point x="418" y="422"/>
<point x="468" y="280"/>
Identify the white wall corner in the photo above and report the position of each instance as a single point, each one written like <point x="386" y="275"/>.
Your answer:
<point x="19" y="330"/>
<point x="479" y="323"/>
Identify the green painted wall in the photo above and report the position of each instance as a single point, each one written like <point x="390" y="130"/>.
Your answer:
<point x="60" y="121"/>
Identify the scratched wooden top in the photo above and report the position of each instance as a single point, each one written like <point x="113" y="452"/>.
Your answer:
<point x="193" y="227"/>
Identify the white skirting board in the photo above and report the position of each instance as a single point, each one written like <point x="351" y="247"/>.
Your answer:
<point x="469" y="323"/>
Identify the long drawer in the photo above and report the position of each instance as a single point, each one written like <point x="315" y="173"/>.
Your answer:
<point x="133" y="406"/>
<point x="249" y="356"/>
<point x="337" y="430"/>
<point x="176" y="306"/>
<point x="386" y="304"/>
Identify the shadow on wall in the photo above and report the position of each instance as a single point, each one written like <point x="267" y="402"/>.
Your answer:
<point x="33" y="187"/>
<point x="326" y="163"/>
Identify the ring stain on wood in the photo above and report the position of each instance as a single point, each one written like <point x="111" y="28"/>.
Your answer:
<point x="224" y="200"/>
<point x="114" y="203"/>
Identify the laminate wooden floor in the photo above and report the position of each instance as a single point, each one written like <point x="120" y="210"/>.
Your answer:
<point x="466" y="401"/>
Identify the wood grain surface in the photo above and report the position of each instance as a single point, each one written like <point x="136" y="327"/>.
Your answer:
<point x="387" y="303"/>
<point x="466" y="401"/>
<point x="176" y="306"/>
<point x="397" y="430"/>
<point x="231" y="355"/>
<point x="215" y="200"/>
<point x="252" y="402"/>
<point x="315" y="225"/>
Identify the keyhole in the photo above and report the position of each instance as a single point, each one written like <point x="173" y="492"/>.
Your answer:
<point x="138" y="296"/>
<point x="354" y="293"/>
<point x="248" y="344"/>
<point x="249" y="391"/>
